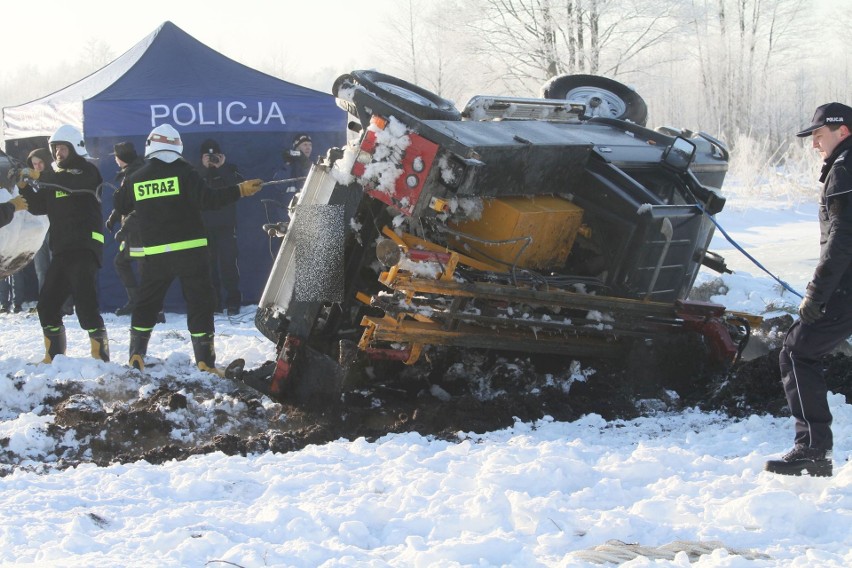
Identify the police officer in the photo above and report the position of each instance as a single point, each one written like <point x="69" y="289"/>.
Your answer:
<point x="825" y="313"/>
<point x="67" y="193"/>
<point x="168" y="196"/>
<point x="221" y="227"/>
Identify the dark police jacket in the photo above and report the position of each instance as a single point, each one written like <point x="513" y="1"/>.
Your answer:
<point x="217" y="178"/>
<point x="75" y="216"/>
<point x="168" y="200"/>
<point x="834" y="269"/>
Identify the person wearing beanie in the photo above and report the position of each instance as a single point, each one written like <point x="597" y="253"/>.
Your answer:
<point x="129" y="235"/>
<point x="299" y="157"/>
<point x="68" y="195"/>
<point x="221" y="225"/>
<point x="825" y="313"/>
<point x="297" y="164"/>
<point x="168" y="195"/>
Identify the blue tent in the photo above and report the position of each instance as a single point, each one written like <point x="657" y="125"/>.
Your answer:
<point x="170" y="77"/>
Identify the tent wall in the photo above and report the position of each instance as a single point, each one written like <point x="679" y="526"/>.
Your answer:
<point x="256" y="155"/>
<point x="170" y="77"/>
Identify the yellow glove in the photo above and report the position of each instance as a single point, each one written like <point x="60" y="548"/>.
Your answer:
<point x="20" y="203"/>
<point x="250" y="187"/>
<point x="26" y="175"/>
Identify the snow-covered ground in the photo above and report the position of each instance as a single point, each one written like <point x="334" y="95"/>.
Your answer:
<point x="536" y="494"/>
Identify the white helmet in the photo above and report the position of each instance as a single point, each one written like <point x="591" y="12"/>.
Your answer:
<point x="69" y="135"/>
<point x="164" y="143"/>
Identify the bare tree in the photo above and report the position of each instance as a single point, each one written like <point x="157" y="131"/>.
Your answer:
<point x="531" y="41"/>
<point x="95" y="54"/>
<point x="740" y="47"/>
<point x="426" y="47"/>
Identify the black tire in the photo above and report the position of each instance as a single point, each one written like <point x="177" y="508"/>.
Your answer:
<point x="623" y="102"/>
<point x="344" y="81"/>
<point x="414" y="100"/>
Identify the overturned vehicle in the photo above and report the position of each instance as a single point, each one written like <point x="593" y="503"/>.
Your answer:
<point x="558" y="225"/>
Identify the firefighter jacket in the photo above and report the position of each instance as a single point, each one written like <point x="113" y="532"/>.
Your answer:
<point x="130" y="236"/>
<point x="68" y="196"/>
<point x="834" y="269"/>
<point x="168" y="199"/>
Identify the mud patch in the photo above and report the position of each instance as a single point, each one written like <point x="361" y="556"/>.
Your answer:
<point x="181" y="415"/>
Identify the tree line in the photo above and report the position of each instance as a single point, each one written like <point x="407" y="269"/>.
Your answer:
<point x="746" y="71"/>
<point x="743" y="70"/>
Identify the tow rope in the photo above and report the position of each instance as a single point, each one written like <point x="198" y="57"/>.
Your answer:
<point x="742" y="250"/>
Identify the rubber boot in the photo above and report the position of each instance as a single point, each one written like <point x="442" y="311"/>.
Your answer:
<point x="138" y="348"/>
<point x="205" y="354"/>
<point x="127" y="308"/>
<point x="100" y="344"/>
<point x="54" y="343"/>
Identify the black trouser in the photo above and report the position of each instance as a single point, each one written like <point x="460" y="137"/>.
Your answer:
<point x="802" y="371"/>
<point x="224" y="271"/>
<point x="124" y="268"/>
<point x="192" y="268"/>
<point x="72" y="273"/>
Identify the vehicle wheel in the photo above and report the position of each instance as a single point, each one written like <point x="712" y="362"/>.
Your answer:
<point x="423" y="104"/>
<point x="344" y="82"/>
<point x="602" y="96"/>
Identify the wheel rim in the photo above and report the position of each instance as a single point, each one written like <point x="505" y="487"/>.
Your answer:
<point x="611" y="105"/>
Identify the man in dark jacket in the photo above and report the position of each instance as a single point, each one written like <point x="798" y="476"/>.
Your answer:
<point x="297" y="162"/>
<point x="67" y="194"/>
<point x="168" y="196"/>
<point x="825" y="313"/>
<point x="221" y="227"/>
<point x="130" y="247"/>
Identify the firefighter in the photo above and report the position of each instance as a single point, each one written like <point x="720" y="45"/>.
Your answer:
<point x="168" y="196"/>
<point x="67" y="193"/>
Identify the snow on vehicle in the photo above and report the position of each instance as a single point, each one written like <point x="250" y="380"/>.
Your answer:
<point x="558" y="225"/>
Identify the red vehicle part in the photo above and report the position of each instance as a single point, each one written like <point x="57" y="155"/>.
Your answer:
<point x="706" y="319"/>
<point x="415" y="165"/>
<point x="284" y="365"/>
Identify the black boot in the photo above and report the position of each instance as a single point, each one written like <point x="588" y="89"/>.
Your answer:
<point x="813" y="461"/>
<point x="138" y="348"/>
<point x="54" y="343"/>
<point x="205" y="354"/>
<point x="100" y="344"/>
<point x="127" y="308"/>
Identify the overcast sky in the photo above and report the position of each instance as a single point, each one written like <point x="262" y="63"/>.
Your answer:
<point x="301" y="38"/>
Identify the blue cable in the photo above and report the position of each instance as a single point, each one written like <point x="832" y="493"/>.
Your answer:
<point x="747" y="255"/>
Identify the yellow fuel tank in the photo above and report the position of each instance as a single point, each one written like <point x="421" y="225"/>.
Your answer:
<point x="530" y="232"/>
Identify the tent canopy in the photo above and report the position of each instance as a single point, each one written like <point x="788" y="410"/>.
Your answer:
<point x="170" y="77"/>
